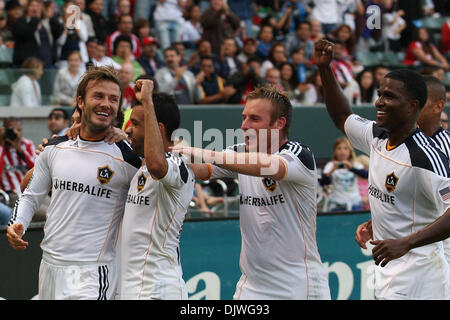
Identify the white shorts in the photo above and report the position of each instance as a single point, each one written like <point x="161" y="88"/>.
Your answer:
<point x="414" y="276"/>
<point x="76" y="281"/>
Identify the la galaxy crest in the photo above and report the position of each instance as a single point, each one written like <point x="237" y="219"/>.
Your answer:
<point x="142" y="180"/>
<point x="270" y="184"/>
<point x="104" y="174"/>
<point x="391" y="182"/>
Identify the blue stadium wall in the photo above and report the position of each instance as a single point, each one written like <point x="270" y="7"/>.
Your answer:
<point x="210" y="258"/>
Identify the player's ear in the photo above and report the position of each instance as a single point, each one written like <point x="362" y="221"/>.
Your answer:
<point x="281" y="123"/>
<point x="80" y="102"/>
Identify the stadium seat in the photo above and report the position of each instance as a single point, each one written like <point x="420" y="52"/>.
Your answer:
<point x="391" y="60"/>
<point x="447" y="80"/>
<point x="368" y="58"/>
<point x="433" y="24"/>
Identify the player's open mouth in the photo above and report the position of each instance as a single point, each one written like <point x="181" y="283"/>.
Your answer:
<point x="102" y="114"/>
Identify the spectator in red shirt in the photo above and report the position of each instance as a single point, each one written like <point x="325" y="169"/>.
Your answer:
<point x="421" y="52"/>
<point x="124" y="27"/>
<point x="126" y="75"/>
<point x="16" y="156"/>
<point x="445" y="39"/>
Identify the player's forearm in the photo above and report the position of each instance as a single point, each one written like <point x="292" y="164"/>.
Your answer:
<point x="24" y="210"/>
<point x="202" y="171"/>
<point x="337" y="105"/>
<point x="250" y="163"/>
<point x="154" y="152"/>
<point x="437" y="231"/>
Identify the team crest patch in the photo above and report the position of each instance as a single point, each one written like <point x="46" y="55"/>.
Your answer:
<point x="270" y="184"/>
<point x="391" y="182"/>
<point x="104" y="175"/>
<point x="142" y="180"/>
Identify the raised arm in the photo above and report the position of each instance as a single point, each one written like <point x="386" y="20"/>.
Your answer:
<point x="154" y="153"/>
<point x="337" y="105"/>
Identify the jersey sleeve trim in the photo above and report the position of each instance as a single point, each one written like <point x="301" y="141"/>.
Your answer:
<point x="57" y="140"/>
<point x="210" y="172"/>
<point x="128" y="155"/>
<point x="302" y="152"/>
<point x="424" y="154"/>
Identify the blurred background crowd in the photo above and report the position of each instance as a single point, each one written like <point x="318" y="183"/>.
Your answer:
<point x="215" y="52"/>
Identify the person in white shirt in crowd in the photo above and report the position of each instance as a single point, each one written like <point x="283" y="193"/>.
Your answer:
<point x="341" y="174"/>
<point x="327" y="13"/>
<point x="102" y="60"/>
<point x="26" y="91"/>
<point x="67" y="79"/>
<point x="167" y="17"/>
<point x="191" y="31"/>
<point x="393" y="25"/>
<point x="85" y="17"/>
<point x="177" y="80"/>
<point x="74" y="36"/>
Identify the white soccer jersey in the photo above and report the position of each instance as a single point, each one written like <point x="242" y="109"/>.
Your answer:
<point x="89" y="181"/>
<point x="150" y="239"/>
<point x="279" y="254"/>
<point x="409" y="188"/>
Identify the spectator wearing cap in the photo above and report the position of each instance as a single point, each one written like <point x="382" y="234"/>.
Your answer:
<point x="122" y="54"/>
<point x="36" y="34"/>
<point x="149" y="59"/>
<point x="218" y="23"/>
<point x="124" y="27"/>
<point x="58" y="121"/>
<point x="248" y="49"/>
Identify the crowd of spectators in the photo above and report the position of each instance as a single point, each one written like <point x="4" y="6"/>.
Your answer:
<point x="210" y="52"/>
<point x="217" y="51"/>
